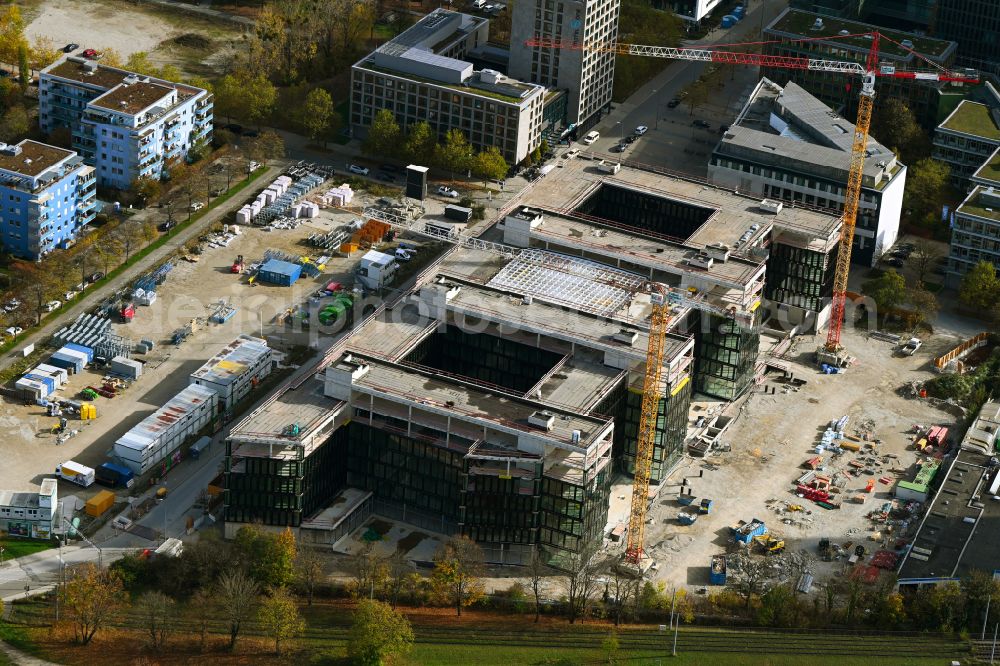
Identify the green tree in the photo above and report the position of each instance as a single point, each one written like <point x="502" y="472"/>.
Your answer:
<point x="458" y="571"/>
<point x="420" y="143"/>
<point x="490" y="164"/>
<point x="308" y="571"/>
<point x="926" y="189"/>
<point x="280" y="618"/>
<point x="895" y="126"/>
<point x="140" y="63"/>
<point x="888" y="290"/>
<point x="454" y="154"/>
<point x="980" y="287"/>
<point x="978" y="588"/>
<point x="379" y="635"/>
<point x="316" y="113"/>
<point x="230" y="97"/>
<point x="611" y="646"/>
<point x="23" y="68"/>
<point x="923" y="304"/>
<point x="14" y="124"/>
<point x="261" y="97"/>
<point x="270" y="557"/>
<point x="383" y="136"/>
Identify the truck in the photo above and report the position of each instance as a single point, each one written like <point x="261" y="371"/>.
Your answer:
<point x="115" y="476"/>
<point x="75" y="472"/>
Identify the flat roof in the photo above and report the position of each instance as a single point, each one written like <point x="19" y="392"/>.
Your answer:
<point x="35" y="158"/>
<point x="132" y="98"/>
<point x="76" y="69"/>
<point x="974" y="204"/>
<point x="470" y="403"/>
<point x="991" y="169"/>
<point x="975" y="119"/>
<point x="800" y="23"/>
<point x="305" y="406"/>
<point x="233" y="361"/>
<point x="19" y="499"/>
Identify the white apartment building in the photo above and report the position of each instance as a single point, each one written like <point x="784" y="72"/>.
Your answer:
<point x="785" y="144"/>
<point x="126" y="125"/>
<point x="421" y="75"/>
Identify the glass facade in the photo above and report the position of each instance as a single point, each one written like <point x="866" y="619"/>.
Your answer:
<point x="725" y="355"/>
<point x="798" y="277"/>
<point x="671" y="429"/>
<point x="496" y="509"/>
<point x="573" y="516"/>
<point x="485" y="358"/>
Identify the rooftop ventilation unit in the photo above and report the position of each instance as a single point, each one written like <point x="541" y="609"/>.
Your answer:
<point x="542" y="419"/>
<point x="770" y="207"/>
<point x="130" y="79"/>
<point x="490" y="76"/>
<point x="701" y="260"/>
<point x="818" y="25"/>
<point x="627" y="336"/>
<point x="907" y="44"/>
<point x="718" y="251"/>
<point x="10" y="149"/>
<point x="89" y="67"/>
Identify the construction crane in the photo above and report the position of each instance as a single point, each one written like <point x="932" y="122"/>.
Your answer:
<point x="832" y="351"/>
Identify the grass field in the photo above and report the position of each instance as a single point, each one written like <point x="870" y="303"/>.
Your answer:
<point x="486" y="639"/>
<point x="13" y="548"/>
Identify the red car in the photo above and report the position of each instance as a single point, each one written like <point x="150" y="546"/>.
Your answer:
<point x="92" y="54"/>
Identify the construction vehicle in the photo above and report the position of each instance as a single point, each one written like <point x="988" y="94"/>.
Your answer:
<point x="831" y="353"/>
<point x="769" y="544"/>
<point x="127" y="312"/>
<point x="238" y="265"/>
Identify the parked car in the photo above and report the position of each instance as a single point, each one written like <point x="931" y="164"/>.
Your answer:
<point x="197" y="205"/>
<point x="360" y="170"/>
<point x="570" y="154"/>
<point x="674" y="103"/>
<point x="640" y="130"/>
<point x="389" y="168"/>
<point x="704" y="124"/>
<point x="11" y="305"/>
<point x="166" y="226"/>
<point x="92" y="54"/>
<point x="69" y="48"/>
<point x="51" y="305"/>
<point x="70" y="295"/>
<point x="630" y="139"/>
<point x="619" y="148"/>
<point x="13" y="331"/>
<point x="94" y="277"/>
<point x="402" y="255"/>
<point x="447" y="192"/>
<point x="895" y="262"/>
<point x="591" y="137"/>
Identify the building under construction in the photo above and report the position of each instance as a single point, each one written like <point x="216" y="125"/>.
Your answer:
<point x="500" y="396"/>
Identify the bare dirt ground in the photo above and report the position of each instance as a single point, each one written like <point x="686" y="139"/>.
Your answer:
<point x="29" y="450"/>
<point x="770" y="441"/>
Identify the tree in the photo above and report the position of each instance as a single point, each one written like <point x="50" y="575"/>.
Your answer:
<point x="237" y="594"/>
<point x="23" y="66"/>
<point x="261" y="97"/>
<point x="308" y="571"/>
<point x="14" y="124"/>
<point x="111" y="58"/>
<point x="925" y="255"/>
<point x="200" y="611"/>
<point x="778" y="607"/>
<point x="611" y="646"/>
<point x="887" y="290"/>
<point x="140" y="63"/>
<point x="895" y="126"/>
<point x="490" y="164"/>
<point x="923" y="304"/>
<point x="978" y="589"/>
<point x="458" y="568"/>
<point x="580" y="581"/>
<point x="368" y="570"/>
<point x="455" y="154"/>
<point x="230" y="97"/>
<point x="156" y="610"/>
<point x="43" y="52"/>
<point x="316" y="113"/>
<point x="749" y="576"/>
<point x="146" y="190"/>
<point x="383" y="136"/>
<point x="129" y="234"/>
<point x="980" y="287"/>
<point x="621" y="588"/>
<point x="92" y="598"/>
<point x="267" y="146"/>
<point x="926" y="189"/>
<point x="378" y="634"/>
<point x="398" y="572"/>
<point x="537" y="572"/>
<point x="11" y="32"/>
<point x="280" y="618"/>
<point x="420" y="142"/>
<point x="270" y="557"/>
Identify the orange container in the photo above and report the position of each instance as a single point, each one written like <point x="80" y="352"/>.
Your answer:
<point x="100" y="503"/>
<point x="349" y="248"/>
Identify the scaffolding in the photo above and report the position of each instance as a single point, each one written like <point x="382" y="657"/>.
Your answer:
<point x="577" y="283"/>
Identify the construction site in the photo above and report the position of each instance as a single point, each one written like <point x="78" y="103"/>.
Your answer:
<point x="502" y="397"/>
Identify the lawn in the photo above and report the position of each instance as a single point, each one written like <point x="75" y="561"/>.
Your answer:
<point x="14" y="548"/>
<point x="972" y="118"/>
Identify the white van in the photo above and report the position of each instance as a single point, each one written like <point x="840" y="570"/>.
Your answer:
<point x="591" y="137"/>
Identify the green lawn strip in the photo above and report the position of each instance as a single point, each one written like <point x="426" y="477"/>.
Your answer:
<point x="18" y="637"/>
<point x="139" y="255"/>
<point x="14" y="548"/>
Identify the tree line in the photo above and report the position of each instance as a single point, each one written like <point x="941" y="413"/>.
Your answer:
<point x="419" y="145"/>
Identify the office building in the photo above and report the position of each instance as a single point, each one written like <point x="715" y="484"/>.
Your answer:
<point x="975" y="232"/>
<point x="975" y="25"/>
<point x="423" y="75"/>
<point x="926" y="99"/>
<point x="587" y="75"/>
<point x="966" y="139"/>
<point x="501" y="395"/>
<point x="954" y="535"/>
<point x="846" y="9"/>
<point x="787" y="145"/>
<point x="47" y="197"/>
<point x="692" y="11"/>
<point x="30" y="514"/>
<point x="126" y="125"/>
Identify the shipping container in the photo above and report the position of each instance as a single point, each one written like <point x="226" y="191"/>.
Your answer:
<point x="60" y="374"/>
<point x="100" y="503"/>
<point x="50" y="383"/>
<point x="30" y="389"/>
<point x="459" y="213"/>
<point x="162" y="433"/>
<point x="234" y="372"/>
<point x="80" y="348"/>
<point x="126" y="367"/>
<point x="283" y="273"/>
<point x="115" y="476"/>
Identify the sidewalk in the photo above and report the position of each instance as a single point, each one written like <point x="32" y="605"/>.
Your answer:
<point x="21" y="658"/>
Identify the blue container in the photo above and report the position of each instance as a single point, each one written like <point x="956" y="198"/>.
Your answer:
<point x="739" y="11"/>
<point x="83" y="350"/>
<point x="114" y="476"/>
<point x="70" y="363"/>
<point x="283" y="273"/>
<point x="728" y="21"/>
<point x="50" y="384"/>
